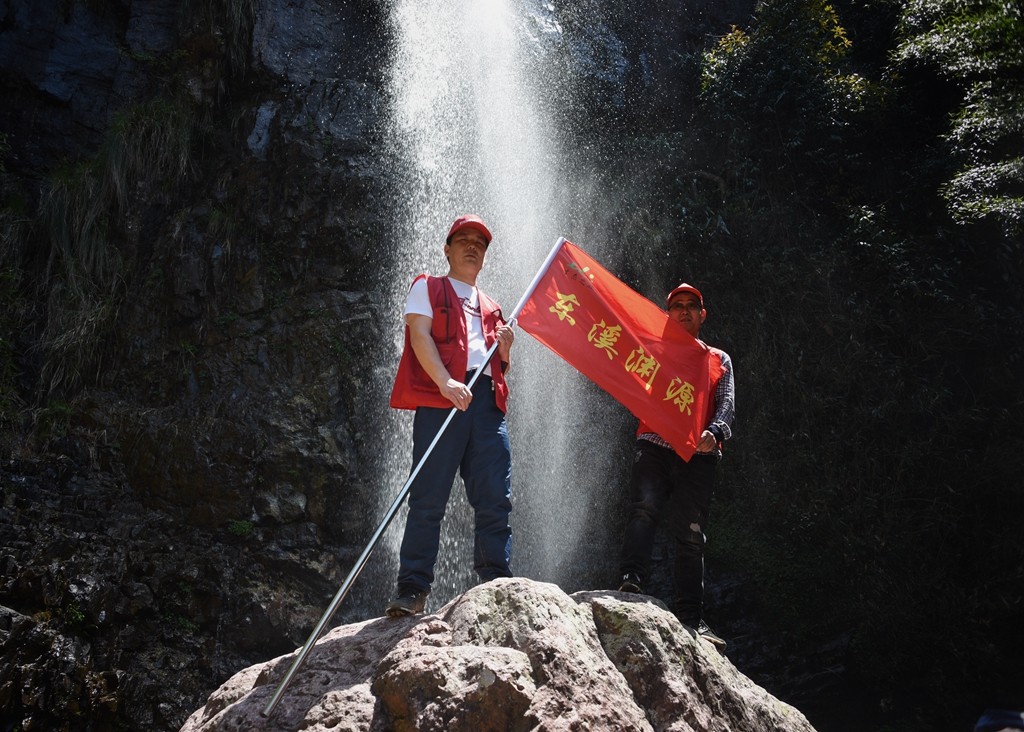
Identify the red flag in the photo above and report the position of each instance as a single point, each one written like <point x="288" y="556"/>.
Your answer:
<point x="625" y="344"/>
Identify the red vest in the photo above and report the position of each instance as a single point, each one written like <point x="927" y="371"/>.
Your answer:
<point x="413" y="386"/>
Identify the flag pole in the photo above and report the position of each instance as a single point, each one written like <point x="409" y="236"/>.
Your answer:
<point x="397" y="504"/>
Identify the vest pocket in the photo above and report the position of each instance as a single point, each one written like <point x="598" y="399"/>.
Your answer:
<point x="447" y="352"/>
<point x="440" y="325"/>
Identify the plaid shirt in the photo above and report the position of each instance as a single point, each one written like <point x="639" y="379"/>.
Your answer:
<point x="725" y="407"/>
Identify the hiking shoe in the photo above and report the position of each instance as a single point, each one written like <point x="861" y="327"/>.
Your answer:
<point x="631" y="583"/>
<point x="408" y="602"/>
<point x="710" y="636"/>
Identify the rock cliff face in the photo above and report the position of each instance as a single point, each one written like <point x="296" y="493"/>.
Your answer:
<point x="511" y="655"/>
<point x="192" y="504"/>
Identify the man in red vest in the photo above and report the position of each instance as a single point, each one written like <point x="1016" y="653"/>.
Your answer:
<point x="449" y="327"/>
<point x="659" y="472"/>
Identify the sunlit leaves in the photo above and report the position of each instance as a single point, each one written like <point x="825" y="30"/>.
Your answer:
<point x="978" y="44"/>
<point x="964" y="38"/>
<point x="993" y="189"/>
<point x="719" y="59"/>
<point x="993" y="112"/>
<point x="811" y="30"/>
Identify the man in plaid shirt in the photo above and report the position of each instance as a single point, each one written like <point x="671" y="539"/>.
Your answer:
<point x="658" y="472"/>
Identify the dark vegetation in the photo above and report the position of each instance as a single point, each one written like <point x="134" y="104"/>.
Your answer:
<point x="848" y="190"/>
<point x="847" y="186"/>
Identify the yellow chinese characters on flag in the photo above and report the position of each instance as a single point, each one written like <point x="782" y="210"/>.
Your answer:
<point x="625" y="344"/>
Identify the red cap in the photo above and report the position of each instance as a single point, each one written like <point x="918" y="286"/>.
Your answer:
<point x="685" y="288"/>
<point x="471" y="221"/>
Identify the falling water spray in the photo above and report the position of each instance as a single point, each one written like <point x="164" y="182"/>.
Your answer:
<point x="473" y="88"/>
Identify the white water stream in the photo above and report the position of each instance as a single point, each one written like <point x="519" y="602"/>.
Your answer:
<point x="474" y="86"/>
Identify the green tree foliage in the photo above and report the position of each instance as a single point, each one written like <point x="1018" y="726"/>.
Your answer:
<point x="870" y="489"/>
<point x="786" y="104"/>
<point x="979" y="46"/>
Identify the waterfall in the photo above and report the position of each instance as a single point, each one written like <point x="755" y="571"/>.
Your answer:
<point x="473" y="89"/>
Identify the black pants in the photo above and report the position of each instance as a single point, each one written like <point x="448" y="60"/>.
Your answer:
<point x="659" y="473"/>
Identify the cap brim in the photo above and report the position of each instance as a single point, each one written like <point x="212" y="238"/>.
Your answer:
<point x="476" y="226"/>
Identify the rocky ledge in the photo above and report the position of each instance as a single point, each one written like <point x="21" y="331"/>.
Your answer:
<point x="511" y="655"/>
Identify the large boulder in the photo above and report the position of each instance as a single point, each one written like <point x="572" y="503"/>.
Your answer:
<point x="511" y="654"/>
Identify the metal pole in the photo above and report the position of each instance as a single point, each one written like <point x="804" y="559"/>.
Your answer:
<point x="390" y="515"/>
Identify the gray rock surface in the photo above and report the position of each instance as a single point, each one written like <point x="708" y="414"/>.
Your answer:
<point x="511" y="654"/>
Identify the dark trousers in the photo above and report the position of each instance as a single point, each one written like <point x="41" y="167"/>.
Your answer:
<point x="659" y="473"/>
<point x="476" y="445"/>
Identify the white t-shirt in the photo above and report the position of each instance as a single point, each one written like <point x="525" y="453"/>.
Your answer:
<point x="418" y="303"/>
